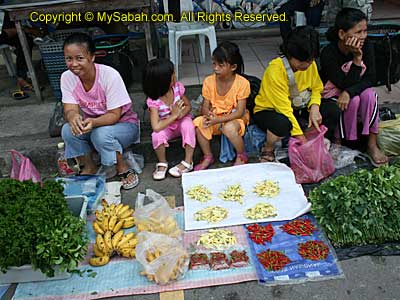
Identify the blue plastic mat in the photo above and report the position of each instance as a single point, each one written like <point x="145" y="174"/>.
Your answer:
<point x="91" y="186"/>
<point x="300" y="269"/>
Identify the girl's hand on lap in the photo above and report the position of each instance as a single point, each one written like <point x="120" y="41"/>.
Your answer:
<point x="343" y="100"/>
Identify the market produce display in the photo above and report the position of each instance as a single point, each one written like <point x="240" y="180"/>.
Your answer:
<point x="163" y="258"/>
<point x="260" y="211"/>
<point x="314" y="250"/>
<point x="200" y="193"/>
<point x="238" y="190"/>
<point x="267" y="188"/>
<point x="110" y="238"/>
<point x="299" y="227"/>
<point x="211" y="214"/>
<point x="156" y="216"/>
<point x="199" y="261"/>
<point x="217" y="239"/>
<point x="284" y="251"/>
<point x="273" y="260"/>
<point x="37" y="228"/>
<point x="260" y="234"/>
<point x="233" y="192"/>
<point x="359" y="209"/>
<point x="239" y="259"/>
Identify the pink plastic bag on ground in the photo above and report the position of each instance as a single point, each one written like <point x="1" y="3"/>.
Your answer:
<point x="22" y="168"/>
<point x="310" y="162"/>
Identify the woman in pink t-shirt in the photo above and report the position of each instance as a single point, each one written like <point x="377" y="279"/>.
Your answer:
<point x="97" y="108"/>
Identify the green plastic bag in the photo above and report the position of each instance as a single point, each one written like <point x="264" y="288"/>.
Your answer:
<point x="389" y="137"/>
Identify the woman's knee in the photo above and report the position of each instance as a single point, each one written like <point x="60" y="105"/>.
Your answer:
<point x="66" y="132"/>
<point x="102" y="137"/>
<point x="159" y="137"/>
<point x="369" y="96"/>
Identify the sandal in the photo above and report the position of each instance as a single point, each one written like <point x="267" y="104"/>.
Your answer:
<point x="209" y="159"/>
<point x="126" y="185"/>
<point x="160" y="174"/>
<point x="27" y="87"/>
<point x="243" y="157"/>
<point x="267" y="156"/>
<point x="19" y="95"/>
<point x="177" y="172"/>
<point x="374" y="163"/>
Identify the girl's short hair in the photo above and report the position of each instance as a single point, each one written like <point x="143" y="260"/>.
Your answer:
<point x="228" y="52"/>
<point x="157" y="77"/>
<point x="346" y="19"/>
<point x="81" y="38"/>
<point x="301" y="43"/>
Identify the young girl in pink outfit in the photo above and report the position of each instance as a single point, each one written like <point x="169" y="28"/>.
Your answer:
<point x="169" y="116"/>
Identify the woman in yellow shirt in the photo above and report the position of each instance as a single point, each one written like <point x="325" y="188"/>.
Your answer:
<point x="278" y="110"/>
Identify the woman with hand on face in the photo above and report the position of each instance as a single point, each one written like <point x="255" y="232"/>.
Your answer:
<point x="107" y="124"/>
<point x="348" y="71"/>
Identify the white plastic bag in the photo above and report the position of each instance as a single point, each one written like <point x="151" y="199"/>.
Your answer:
<point x="163" y="258"/>
<point x="156" y="216"/>
<point x="343" y="156"/>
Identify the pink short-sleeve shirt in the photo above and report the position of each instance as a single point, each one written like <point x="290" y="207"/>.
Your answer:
<point x="163" y="109"/>
<point x="108" y="92"/>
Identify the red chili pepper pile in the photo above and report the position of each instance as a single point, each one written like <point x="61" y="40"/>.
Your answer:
<point x="300" y="227"/>
<point x="273" y="260"/>
<point x="314" y="250"/>
<point x="261" y="234"/>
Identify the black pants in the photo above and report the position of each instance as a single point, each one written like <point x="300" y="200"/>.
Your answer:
<point x="313" y="14"/>
<point x="281" y="126"/>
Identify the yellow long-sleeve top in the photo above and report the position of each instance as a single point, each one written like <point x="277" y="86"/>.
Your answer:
<point x="274" y="91"/>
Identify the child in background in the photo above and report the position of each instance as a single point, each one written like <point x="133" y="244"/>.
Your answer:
<point x="169" y="116"/>
<point x="224" y="105"/>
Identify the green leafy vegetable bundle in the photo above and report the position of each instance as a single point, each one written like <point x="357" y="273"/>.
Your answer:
<point x="36" y="227"/>
<point x="360" y="209"/>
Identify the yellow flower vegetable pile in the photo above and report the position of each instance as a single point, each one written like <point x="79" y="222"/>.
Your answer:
<point x="267" y="188"/>
<point x="260" y="211"/>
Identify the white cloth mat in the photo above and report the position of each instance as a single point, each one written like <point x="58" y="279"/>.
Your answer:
<point x="290" y="202"/>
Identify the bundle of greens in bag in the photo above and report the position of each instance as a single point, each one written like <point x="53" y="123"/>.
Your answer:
<point x="36" y="227"/>
<point x="360" y="209"/>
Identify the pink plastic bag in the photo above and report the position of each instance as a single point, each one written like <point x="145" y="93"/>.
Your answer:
<point x="22" y="168"/>
<point x="310" y="162"/>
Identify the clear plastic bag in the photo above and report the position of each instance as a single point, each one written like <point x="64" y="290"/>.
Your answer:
<point x="163" y="258"/>
<point x="196" y="106"/>
<point x="343" y="156"/>
<point x="22" y="168"/>
<point x="156" y="216"/>
<point x="311" y="161"/>
<point x="134" y="161"/>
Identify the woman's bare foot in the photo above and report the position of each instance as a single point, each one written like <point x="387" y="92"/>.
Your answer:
<point x="378" y="157"/>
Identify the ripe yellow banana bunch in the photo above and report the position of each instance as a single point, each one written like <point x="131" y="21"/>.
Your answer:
<point x="113" y="218"/>
<point x="110" y="239"/>
<point x="106" y="245"/>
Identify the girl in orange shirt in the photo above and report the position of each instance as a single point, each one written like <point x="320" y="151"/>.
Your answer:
<point x="224" y="104"/>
